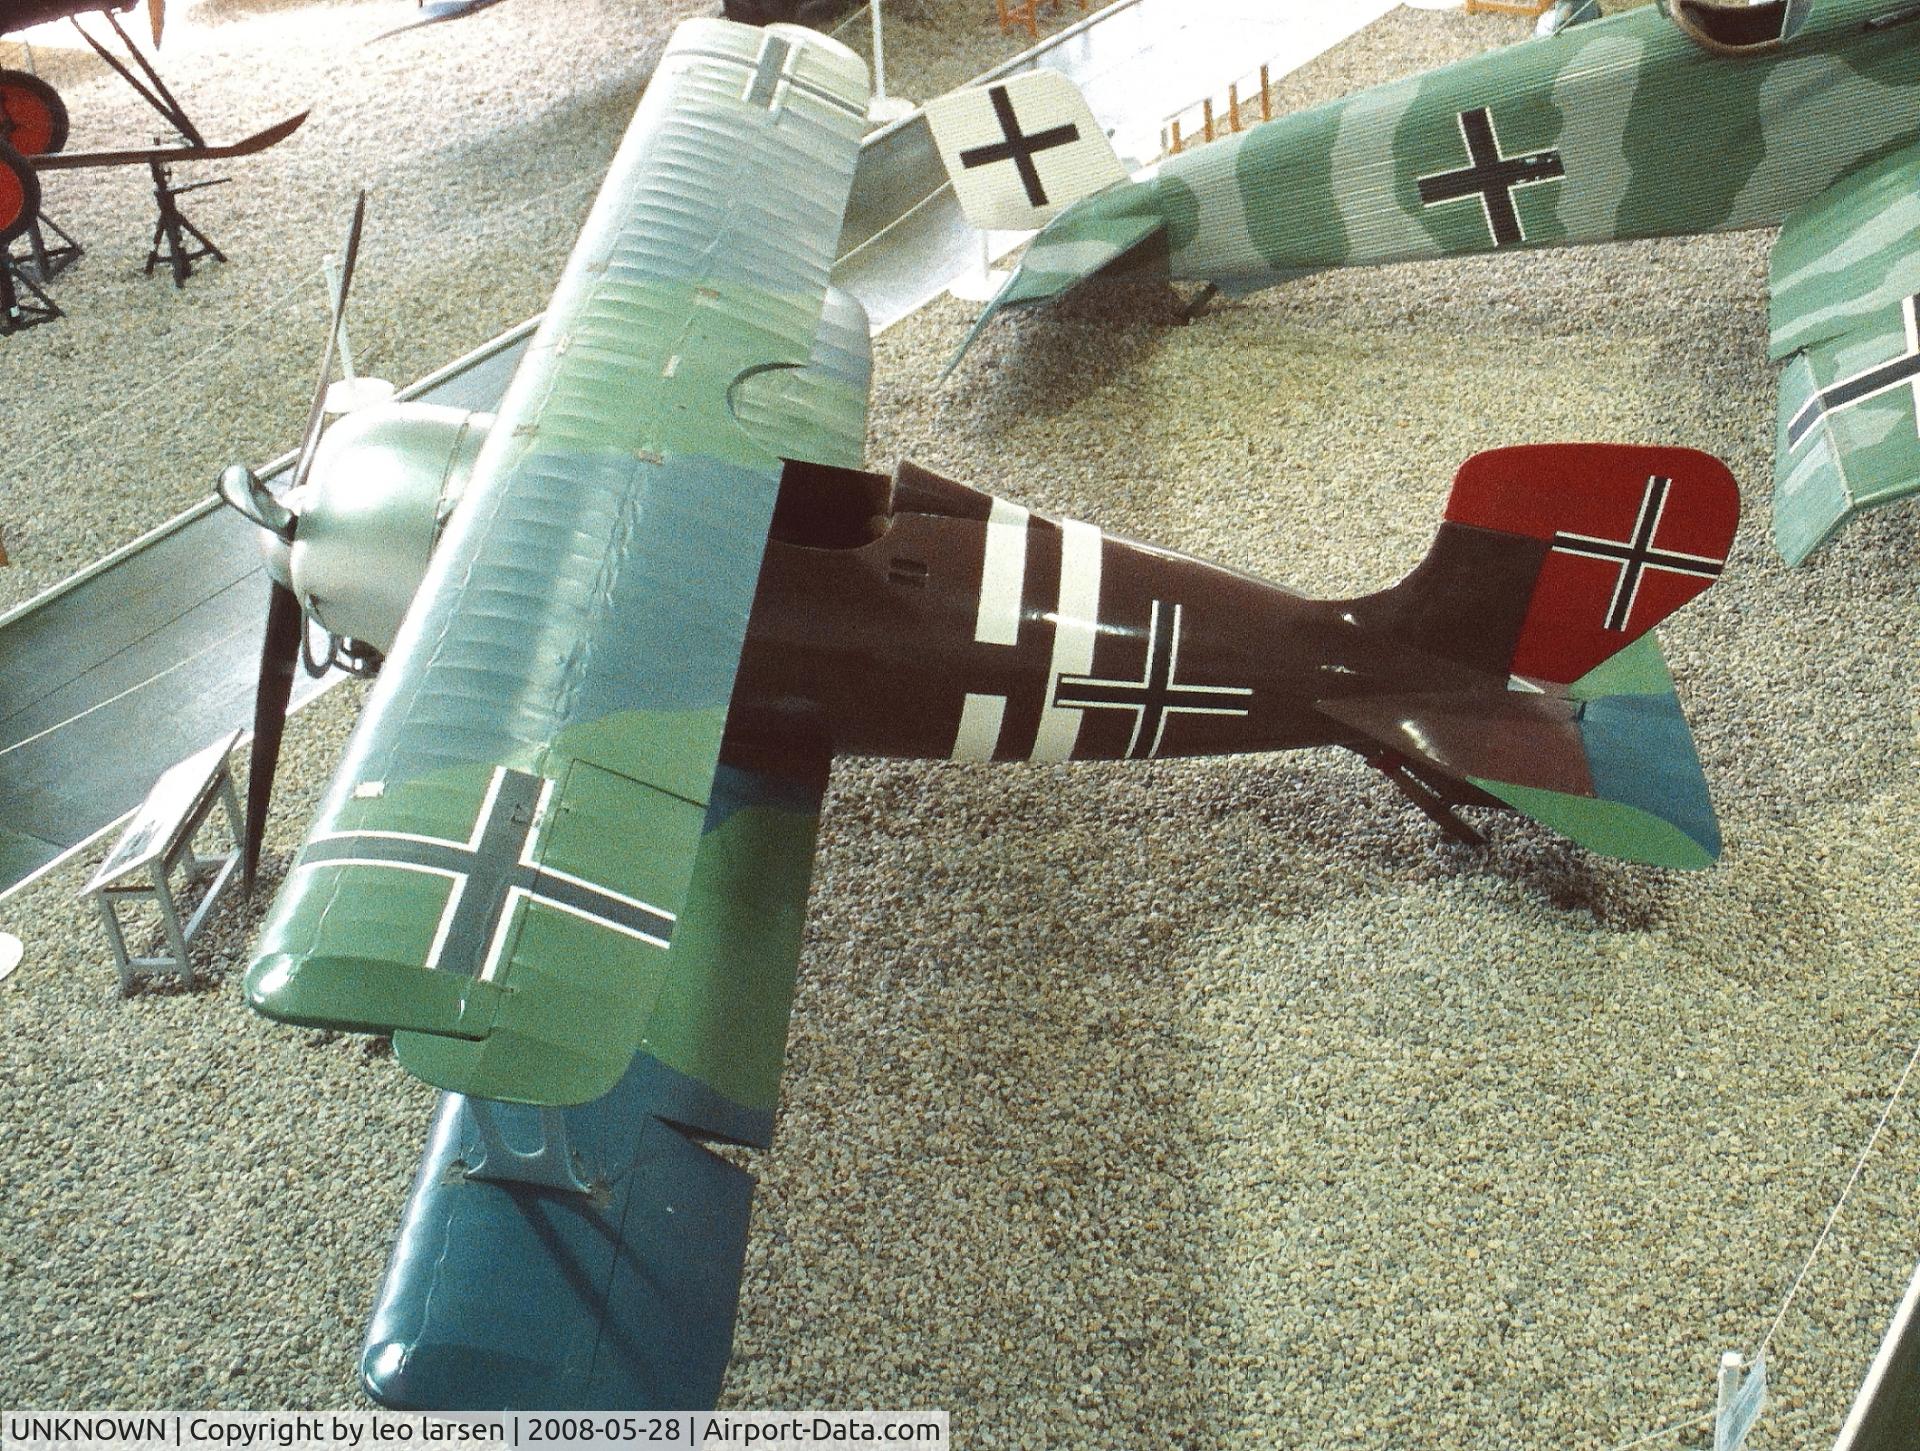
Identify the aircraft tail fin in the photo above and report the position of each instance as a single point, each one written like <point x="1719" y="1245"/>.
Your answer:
<point x="1553" y="557"/>
<point x="1027" y="152"/>
<point x="1550" y="568"/>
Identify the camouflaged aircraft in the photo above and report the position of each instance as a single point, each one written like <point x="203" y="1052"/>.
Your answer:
<point x="1689" y="117"/>
<point x="627" y="622"/>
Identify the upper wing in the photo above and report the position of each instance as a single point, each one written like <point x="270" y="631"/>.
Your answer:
<point x="505" y="855"/>
<point x="1845" y="275"/>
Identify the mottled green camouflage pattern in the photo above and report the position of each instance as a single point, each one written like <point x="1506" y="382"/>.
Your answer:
<point x="583" y="618"/>
<point x="1656" y="135"/>
<point x="1843" y="269"/>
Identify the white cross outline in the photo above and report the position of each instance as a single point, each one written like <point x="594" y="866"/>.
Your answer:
<point x="1817" y="404"/>
<point x="1499" y="155"/>
<point x="1145" y="683"/>
<point x="1633" y="571"/>
<point x="515" y="895"/>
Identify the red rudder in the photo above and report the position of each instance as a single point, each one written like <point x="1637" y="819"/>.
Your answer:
<point x="1630" y="535"/>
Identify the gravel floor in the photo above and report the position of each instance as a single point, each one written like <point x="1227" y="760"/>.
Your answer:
<point x="1204" y="1104"/>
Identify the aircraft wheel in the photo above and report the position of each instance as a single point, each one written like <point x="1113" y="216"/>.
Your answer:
<point x="19" y="194"/>
<point x="33" y="118"/>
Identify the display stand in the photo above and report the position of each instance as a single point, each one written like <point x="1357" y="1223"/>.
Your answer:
<point x="50" y="260"/>
<point x="23" y="302"/>
<point x="176" y="241"/>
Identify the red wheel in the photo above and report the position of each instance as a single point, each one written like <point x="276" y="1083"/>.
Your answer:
<point x="33" y="118"/>
<point x="19" y="194"/>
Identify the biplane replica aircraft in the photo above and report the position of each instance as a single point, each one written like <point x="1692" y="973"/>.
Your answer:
<point x="565" y="858"/>
<point x="34" y="125"/>
<point x="1660" y="121"/>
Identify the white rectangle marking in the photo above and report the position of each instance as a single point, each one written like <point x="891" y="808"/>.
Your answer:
<point x="979" y="732"/>
<point x="1003" y="575"/>
<point x="1075" y="624"/>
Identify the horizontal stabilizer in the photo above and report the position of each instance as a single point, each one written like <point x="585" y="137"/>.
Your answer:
<point x="1611" y="766"/>
<point x="1113" y="231"/>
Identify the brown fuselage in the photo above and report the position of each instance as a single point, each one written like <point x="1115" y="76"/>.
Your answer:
<point x="943" y="623"/>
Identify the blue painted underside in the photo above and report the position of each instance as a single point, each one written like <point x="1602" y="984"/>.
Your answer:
<point x="513" y="1297"/>
<point x="1641" y="753"/>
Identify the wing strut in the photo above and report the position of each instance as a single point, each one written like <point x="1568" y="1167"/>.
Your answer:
<point x="552" y="1164"/>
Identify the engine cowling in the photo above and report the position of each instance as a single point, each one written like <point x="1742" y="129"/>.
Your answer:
<point x="383" y="482"/>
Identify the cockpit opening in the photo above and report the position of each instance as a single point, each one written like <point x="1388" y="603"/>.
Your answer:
<point x="822" y="507"/>
<point x="1734" y="27"/>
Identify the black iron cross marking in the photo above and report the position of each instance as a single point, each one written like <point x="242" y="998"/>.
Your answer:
<point x="1638" y="554"/>
<point x="764" y="85"/>
<point x="492" y="871"/>
<point x="1491" y="177"/>
<point x="1156" y="694"/>
<point x="1018" y="147"/>
<point x="772" y="74"/>
<point x="1868" y="383"/>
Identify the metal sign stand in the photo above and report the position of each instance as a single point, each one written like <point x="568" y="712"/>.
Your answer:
<point x="157" y="843"/>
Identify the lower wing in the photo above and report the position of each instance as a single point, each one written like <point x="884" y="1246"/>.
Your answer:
<point x="504" y="1292"/>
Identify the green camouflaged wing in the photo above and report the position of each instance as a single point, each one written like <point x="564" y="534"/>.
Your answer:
<point x="1845" y="272"/>
<point x="507" y="858"/>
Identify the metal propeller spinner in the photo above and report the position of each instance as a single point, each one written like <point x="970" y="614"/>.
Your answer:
<point x="286" y="618"/>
